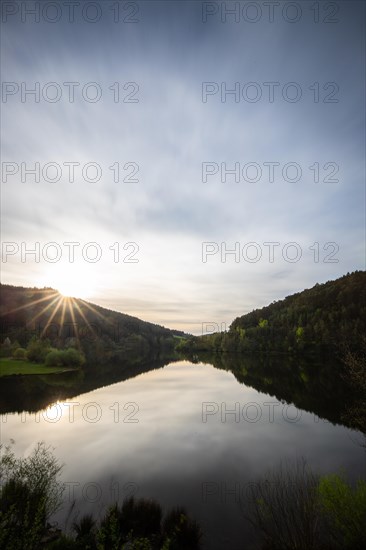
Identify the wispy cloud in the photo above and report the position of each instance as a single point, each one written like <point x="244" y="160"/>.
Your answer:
<point x="169" y="133"/>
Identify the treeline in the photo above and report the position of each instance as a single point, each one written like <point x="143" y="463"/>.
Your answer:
<point x="40" y="351"/>
<point x="322" y="319"/>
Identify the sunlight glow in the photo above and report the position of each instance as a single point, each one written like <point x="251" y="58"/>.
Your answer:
<point x="70" y="281"/>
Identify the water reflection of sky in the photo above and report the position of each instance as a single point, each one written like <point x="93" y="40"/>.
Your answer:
<point x="171" y="454"/>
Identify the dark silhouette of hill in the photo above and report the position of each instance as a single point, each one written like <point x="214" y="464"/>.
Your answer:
<point x="100" y="332"/>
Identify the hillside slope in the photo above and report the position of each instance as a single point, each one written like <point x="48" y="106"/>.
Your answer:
<point x="44" y="313"/>
<point x="324" y="318"/>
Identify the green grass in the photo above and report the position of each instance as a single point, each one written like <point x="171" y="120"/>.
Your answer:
<point x="10" y="366"/>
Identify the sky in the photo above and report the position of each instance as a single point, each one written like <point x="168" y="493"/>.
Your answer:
<point x="226" y="131"/>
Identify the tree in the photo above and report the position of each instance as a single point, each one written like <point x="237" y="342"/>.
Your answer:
<point x="37" y="349"/>
<point x="31" y="492"/>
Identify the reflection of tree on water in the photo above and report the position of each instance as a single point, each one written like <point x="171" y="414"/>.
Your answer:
<point x="310" y="386"/>
<point x="34" y="393"/>
<point x="355" y="375"/>
<point x="313" y="386"/>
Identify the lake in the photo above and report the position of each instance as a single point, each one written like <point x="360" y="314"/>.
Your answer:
<point x="185" y="434"/>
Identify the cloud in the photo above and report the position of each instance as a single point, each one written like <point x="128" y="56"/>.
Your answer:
<point x="168" y="134"/>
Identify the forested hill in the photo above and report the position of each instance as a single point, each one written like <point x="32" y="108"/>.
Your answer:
<point x="26" y="313"/>
<point x="323" y="318"/>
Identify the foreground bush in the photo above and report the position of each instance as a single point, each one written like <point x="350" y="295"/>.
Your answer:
<point x="344" y="508"/>
<point x="31" y="492"/>
<point x="295" y="509"/>
<point x="181" y="530"/>
<point x="140" y="525"/>
<point x="284" y="507"/>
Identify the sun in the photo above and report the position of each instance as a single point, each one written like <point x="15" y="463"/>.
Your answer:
<point x="71" y="280"/>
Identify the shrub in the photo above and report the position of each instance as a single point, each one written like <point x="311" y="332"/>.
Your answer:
<point x="30" y="494"/>
<point x="345" y="510"/>
<point x="39" y="471"/>
<point x="20" y="353"/>
<point x="142" y="517"/>
<point x="109" y="534"/>
<point x="64" y="542"/>
<point x="85" y="530"/>
<point x="68" y="358"/>
<point x="284" y="507"/>
<point x="181" y="530"/>
<point x="22" y="515"/>
<point x="54" y="358"/>
<point x="294" y="508"/>
<point x="72" y="357"/>
<point x="138" y="525"/>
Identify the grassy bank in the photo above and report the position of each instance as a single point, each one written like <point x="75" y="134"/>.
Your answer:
<point x="9" y="366"/>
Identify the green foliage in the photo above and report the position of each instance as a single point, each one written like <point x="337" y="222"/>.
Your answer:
<point x="54" y="358"/>
<point x="139" y="544"/>
<point x="182" y="344"/>
<point x="139" y="524"/>
<point x="318" y="320"/>
<point x="102" y="334"/>
<point x="70" y="357"/>
<point x="30" y="493"/>
<point x="22" y="515"/>
<point x="39" y="472"/>
<point x="85" y="529"/>
<point x="73" y="357"/>
<point x="20" y="353"/>
<point x="141" y="517"/>
<point x="345" y="511"/>
<point x="64" y="542"/>
<point x="38" y="349"/>
<point x="109" y="535"/>
<point x="182" y="532"/>
<point x="355" y="375"/>
<point x="294" y="508"/>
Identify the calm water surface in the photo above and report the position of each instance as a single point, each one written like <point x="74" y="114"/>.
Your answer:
<point x="186" y="434"/>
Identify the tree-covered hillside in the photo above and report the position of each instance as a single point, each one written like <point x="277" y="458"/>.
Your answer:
<point x="324" y="318"/>
<point x="43" y="314"/>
